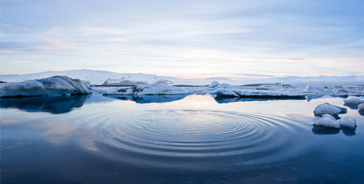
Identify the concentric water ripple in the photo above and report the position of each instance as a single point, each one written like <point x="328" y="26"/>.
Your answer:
<point x="164" y="137"/>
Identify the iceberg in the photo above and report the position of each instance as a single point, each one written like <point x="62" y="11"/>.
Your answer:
<point x="313" y="89"/>
<point x="158" y="90"/>
<point x="226" y="93"/>
<point x="146" y="89"/>
<point x="348" y="122"/>
<point x="213" y="84"/>
<point x="352" y="100"/>
<point x="327" y="121"/>
<point x="52" y="86"/>
<point x="327" y="108"/>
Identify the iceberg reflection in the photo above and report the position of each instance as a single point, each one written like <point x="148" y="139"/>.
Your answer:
<point x="53" y="105"/>
<point x="220" y="99"/>
<point x="320" y="130"/>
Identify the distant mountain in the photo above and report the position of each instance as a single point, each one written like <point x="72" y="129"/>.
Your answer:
<point x="111" y="78"/>
<point x="93" y="76"/>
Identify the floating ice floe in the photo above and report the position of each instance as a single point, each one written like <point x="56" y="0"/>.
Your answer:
<point x="146" y="89"/>
<point x="352" y="100"/>
<point x="361" y="107"/>
<point x="348" y="122"/>
<point x="327" y="108"/>
<point x="52" y="86"/>
<point x="326" y="120"/>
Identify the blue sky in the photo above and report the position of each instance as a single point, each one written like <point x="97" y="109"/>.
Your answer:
<point x="188" y="39"/>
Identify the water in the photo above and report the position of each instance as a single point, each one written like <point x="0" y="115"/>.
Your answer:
<point x="175" y="139"/>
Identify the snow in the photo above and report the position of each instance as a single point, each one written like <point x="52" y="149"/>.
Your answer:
<point x="52" y="86"/>
<point x="327" y="121"/>
<point x="348" y="122"/>
<point x="327" y="108"/>
<point x="352" y="100"/>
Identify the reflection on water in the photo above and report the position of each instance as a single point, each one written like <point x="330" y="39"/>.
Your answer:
<point x="54" y="105"/>
<point x="351" y="106"/>
<point x="220" y="99"/>
<point x="148" y="98"/>
<point x="320" y="130"/>
<point x="191" y="139"/>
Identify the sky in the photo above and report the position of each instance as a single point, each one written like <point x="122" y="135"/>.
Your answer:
<point x="186" y="39"/>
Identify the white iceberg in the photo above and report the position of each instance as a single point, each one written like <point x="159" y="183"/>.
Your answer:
<point x="213" y="84"/>
<point x="352" y="100"/>
<point x="327" y="121"/>
<point x="327" y="108"/>
<point x="348" y="122"/>
<point x="313" y="89"/>
<point x="158" y="90"/>
<point x="226" y="93"/>
<point x="53" y="86"/>
<point x="146" y="89"/>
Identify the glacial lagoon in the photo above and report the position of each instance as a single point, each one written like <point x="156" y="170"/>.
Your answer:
<point x="176" y="139"/>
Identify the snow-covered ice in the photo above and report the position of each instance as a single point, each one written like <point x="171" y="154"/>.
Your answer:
<point x="326" y="120"/>
<point x="348" y="122"/>
<point x="327" y="108"/>
<point x="52" y="86"/>
<point x="352" y="100"/>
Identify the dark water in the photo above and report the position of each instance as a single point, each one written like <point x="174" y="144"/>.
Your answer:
<point x="175" y="139"/>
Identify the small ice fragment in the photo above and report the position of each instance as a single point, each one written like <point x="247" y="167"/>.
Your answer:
<point x="327" y="121"/>
<point x="361" y="107"/>
<point x="352" y="100"/>
<point x="348" y="122"/>
<point x="327" y="108"/>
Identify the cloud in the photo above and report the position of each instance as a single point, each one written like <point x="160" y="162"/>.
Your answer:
<point x="254" y="75"/>
<point x="27" y="31"/>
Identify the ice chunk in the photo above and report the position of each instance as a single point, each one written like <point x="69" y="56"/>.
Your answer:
<point x="326" y="120"/>
<point x="352" y="100"/>
<point x="348" y="122"/>
<point x="158" y="90"/>
<point x="52" y="86"/>
<point x="146" y="89"/>
<point x="327" y="108"/>
<point x="313" y="89"/>
<point x="226" y="93"/>
<point x="213" y="84"/>
<point x="119" y="91"/>
<point x="361" y="107"/>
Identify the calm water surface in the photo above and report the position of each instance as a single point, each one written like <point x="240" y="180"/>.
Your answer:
<point x="175" y="139"/>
